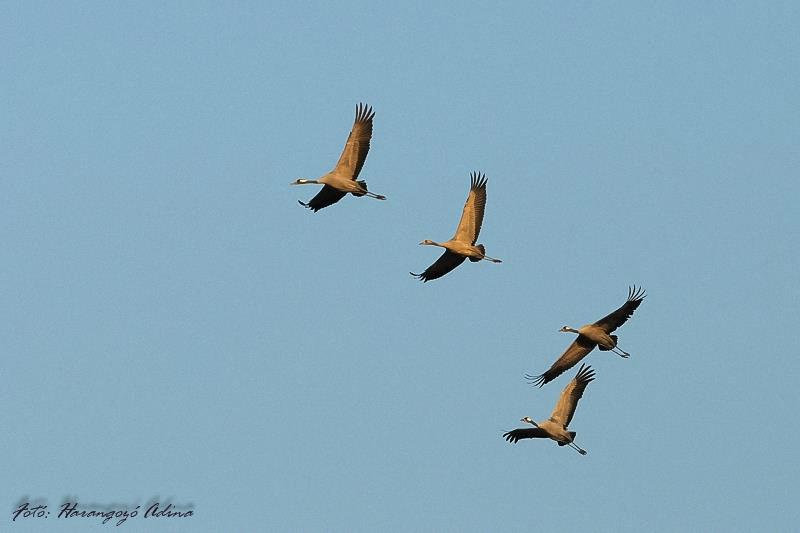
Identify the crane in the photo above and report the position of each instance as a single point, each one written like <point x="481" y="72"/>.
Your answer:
<point x="591" y="335"/>
<point x="342" y="179"/>
<point x="556" y="427"/>
<point x="462" y="245"/>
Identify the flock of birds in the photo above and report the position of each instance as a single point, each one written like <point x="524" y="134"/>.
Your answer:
<point x="595" y="334"/>
<point x="343" y="179"/>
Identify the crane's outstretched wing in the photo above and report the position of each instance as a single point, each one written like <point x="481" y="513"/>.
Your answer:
<point x="576" y="351"/>
<point x="611" y="322"/>
<point x="472" y="217"/>
<point x="515" y="435"/>
<point x="565" y="408"/>
<point x="325" y="197"/>
<point x="357" y="146"/>
<point x="447" y="262"/>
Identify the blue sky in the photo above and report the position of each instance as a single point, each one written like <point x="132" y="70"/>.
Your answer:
<point x="176" y="327"/>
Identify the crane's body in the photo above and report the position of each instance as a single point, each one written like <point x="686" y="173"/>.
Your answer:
<point x="340" y="183"/>
<point x="597" y="335"/>
<point x="555" y="431"/>
<point x="470" y="251"/>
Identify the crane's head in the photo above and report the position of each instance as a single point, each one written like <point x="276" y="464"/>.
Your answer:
<point x="529" y="420"/>
<point x="428" y="242"/>
<point x="302" y="181"/>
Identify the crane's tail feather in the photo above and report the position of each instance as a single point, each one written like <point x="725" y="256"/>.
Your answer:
<point x="603" y="348"/>
<point x="365" y="191"/>
<point x="363" y="185"/>
<point x="571" y="436"/>
<point x="483" y="251"/>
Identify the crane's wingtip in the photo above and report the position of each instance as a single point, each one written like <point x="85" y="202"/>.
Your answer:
<point x="364" y="112"/>
<point x="635" y="293"/>
<point x="420" y="277"/>
<point x="585" y="373"/>
<point x="477" y="180"/>
<point x="537" y="381"/>
<point x="509" y="437"/>
<point x="309" y="206"/>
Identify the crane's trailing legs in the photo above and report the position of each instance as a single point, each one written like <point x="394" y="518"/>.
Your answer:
<point x="620" y="352"/>
<point x="578" y="448"/>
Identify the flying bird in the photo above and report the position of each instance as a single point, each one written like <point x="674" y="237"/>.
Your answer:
<point x="555" y="427"/>
<point x="342" y="179"/>
<point x="591" y="335"/>
<point x="462" y="245"/>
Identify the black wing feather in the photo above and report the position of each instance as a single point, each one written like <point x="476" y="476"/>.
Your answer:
<point x="614" y="320"/>
<point x="515" y="435"/>
<point x="325" y="197"/>
<point x="447" y="262"/>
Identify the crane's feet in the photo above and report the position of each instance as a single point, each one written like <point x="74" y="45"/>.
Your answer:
<point x="621" y="353"/>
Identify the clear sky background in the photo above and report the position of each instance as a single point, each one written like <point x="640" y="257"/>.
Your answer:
<point x="175" y="326"/>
